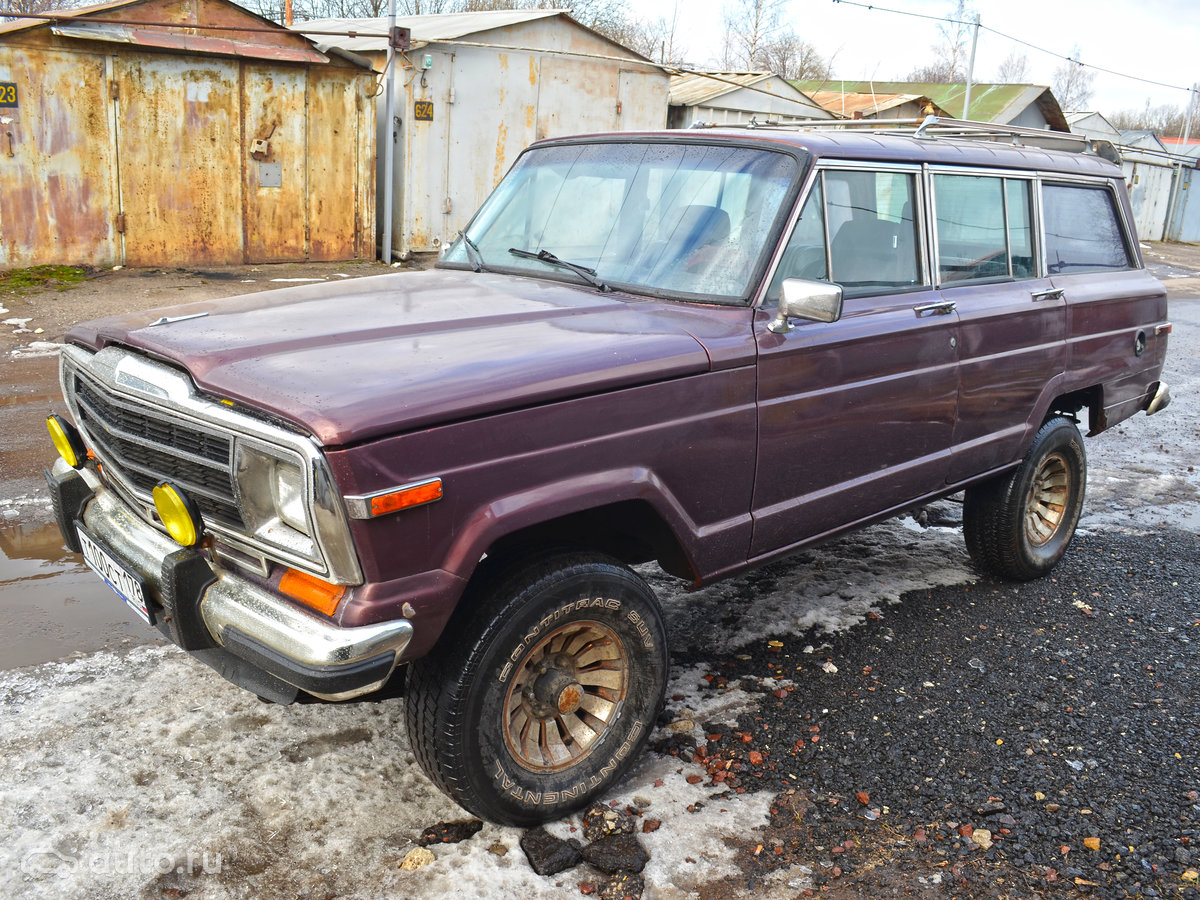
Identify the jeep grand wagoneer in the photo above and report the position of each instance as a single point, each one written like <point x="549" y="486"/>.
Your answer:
<point x="704" y="349"/>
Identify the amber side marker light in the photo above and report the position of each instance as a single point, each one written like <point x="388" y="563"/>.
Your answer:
<point x="403" y="498"/>
<point x="311" y="591"/>
<point x="67" y="441"/>
<point x="179" y="514"/>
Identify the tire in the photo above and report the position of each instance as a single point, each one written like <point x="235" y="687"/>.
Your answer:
<point x="543" y="690"/>
<point x="1019" y="525"/>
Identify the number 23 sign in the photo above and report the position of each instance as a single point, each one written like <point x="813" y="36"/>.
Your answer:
<point x="8" y="93"/>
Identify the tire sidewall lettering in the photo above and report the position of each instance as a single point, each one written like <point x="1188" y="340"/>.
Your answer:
<point x="510" y="785"/>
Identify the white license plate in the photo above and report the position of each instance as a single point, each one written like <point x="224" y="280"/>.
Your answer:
<point x="127" y="585"/>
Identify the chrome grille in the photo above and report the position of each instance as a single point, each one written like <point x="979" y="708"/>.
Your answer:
<point x="144" y="447"/>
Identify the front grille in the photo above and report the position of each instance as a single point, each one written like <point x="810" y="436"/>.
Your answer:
<point x="143" y="446"/>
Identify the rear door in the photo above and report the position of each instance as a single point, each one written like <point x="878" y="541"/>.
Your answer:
<point x="1012" y="332"/>
<point x="1116" y="311"/>
<point x="856" y="417"/>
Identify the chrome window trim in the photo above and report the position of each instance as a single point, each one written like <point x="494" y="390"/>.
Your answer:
<point x="817" y="172"/>
<point x="1004" y="175"/>
<point x="140" y="381"/>
<point x="1133" y="250"/>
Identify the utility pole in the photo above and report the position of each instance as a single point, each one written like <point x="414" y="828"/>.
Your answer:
<point x="389" y="132"/>
<point x="966" y="113"/>
<point x="1170" y="233"/>
<point x="1187" y="123"/>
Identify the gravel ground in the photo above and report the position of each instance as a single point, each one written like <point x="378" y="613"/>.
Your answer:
<point x="1046" y="716"/>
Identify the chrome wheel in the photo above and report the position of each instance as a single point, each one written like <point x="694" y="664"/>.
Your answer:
<point x="1047" y="502"/>
<point x="565" y="695"/>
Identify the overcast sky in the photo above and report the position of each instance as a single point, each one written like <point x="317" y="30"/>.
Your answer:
<point x="1152" y="39"/>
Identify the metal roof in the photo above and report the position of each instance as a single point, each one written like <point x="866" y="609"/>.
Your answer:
<point x="176" y="31"/>
<point x="161" y="39"/>
<point x="847" y="104"/>
<point x="989" y="102"/>
<point x="423" y="29"/>
<point x="696" y="88"/>
<point x="77" y="12"/>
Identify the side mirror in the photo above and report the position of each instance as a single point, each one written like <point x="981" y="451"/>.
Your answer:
<point x="816" y="301"/>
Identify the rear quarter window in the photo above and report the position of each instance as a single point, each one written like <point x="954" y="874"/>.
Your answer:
<point x="1083" y="230"/>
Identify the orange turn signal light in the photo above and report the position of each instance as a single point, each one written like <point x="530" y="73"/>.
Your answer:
<point x="311" y="591"/>
<point x="409" y="495"/>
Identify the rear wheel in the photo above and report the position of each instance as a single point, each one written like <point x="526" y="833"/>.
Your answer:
<point x="543" y="691"/>
<point x="1019" y="524"/>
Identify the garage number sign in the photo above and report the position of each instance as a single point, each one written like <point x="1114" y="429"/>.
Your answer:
<point x="423" y="110"/>
<point x="8" y="94"/>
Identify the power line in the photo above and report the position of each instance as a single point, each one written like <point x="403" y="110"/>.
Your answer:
<point x="1017" y="40"/>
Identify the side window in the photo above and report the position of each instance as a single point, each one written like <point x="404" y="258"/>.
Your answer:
<point x="1020" y="229"/>
<point x="804" y="256"/>
<point x="1083" y="232"/>
<point x="983" y="228"/>
<point x="872" y="245"/>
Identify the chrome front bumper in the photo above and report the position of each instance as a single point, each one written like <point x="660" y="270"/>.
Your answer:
<point x="260" y="628"/>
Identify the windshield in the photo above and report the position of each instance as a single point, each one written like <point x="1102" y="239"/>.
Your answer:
<point x="678" y="219"/>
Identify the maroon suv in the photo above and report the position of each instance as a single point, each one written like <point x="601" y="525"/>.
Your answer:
<point x="701" y="349"/>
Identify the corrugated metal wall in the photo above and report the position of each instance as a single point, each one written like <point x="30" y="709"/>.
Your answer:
<point x="57" y="160"/>
<point x="169" y="141"/>
<point x="1185" y="223"/>
<point x="1149" y="184"/>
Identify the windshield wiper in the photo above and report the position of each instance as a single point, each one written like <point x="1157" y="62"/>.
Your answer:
<point x="588" y="275"/>
<point x="473" y="254"/>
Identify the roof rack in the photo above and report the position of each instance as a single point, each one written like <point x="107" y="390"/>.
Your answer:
<point x="939" y="127"/>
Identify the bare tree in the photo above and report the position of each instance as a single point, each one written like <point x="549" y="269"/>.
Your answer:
<point x="794" y="59"/>
<point x="749" y="28"/>
<point x="656" y="40"/>
<point x="1165" y="120"/>
<point x="1072" y="83"/>
<point x="949" y="63"/>
<point x="1014" y="69"/>
<point x="36" y="6"/>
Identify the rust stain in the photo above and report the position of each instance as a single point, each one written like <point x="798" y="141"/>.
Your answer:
<point x="56" y="160"/>
<point x="530" y="115"/>
<point x="501" y="153"/>
<point x="533" y="71"/>
<point x="184" y="123"/>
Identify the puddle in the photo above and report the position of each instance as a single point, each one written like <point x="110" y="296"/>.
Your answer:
<point x="52" y="605"/>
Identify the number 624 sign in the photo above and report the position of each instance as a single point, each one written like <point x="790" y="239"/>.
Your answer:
<point x="8" y="93"/>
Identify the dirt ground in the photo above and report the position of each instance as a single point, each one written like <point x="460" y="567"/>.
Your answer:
<point x="108" y="292"/>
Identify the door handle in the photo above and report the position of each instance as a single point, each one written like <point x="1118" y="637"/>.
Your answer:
<point x="1052" y="294"/>
<point x="941" y="308"/>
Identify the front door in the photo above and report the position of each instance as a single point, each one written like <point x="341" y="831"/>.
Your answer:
<point x="856" y="417"/>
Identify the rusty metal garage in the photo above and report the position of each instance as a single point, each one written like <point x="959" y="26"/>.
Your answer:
<point x="219" y="139"/>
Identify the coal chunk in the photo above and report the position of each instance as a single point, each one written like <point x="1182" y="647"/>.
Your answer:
<point x="617" y="853"/>
<point x="547" y="854"/>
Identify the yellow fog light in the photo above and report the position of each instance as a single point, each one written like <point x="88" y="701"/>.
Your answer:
<point x="67" y="441"/>
<point x="178" y="514"/>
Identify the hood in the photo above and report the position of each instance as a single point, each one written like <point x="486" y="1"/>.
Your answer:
<point x="357" y="359"/>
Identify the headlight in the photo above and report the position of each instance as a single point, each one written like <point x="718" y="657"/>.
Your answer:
<point x="272" y="494"/>
<point x="287" y="492"/>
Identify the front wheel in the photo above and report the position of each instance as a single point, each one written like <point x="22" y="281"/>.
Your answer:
<point x="1018" y="525"/>
<point x="543" y="691"/>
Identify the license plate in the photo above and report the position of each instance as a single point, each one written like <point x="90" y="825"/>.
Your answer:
<point x="127" y="585"/>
